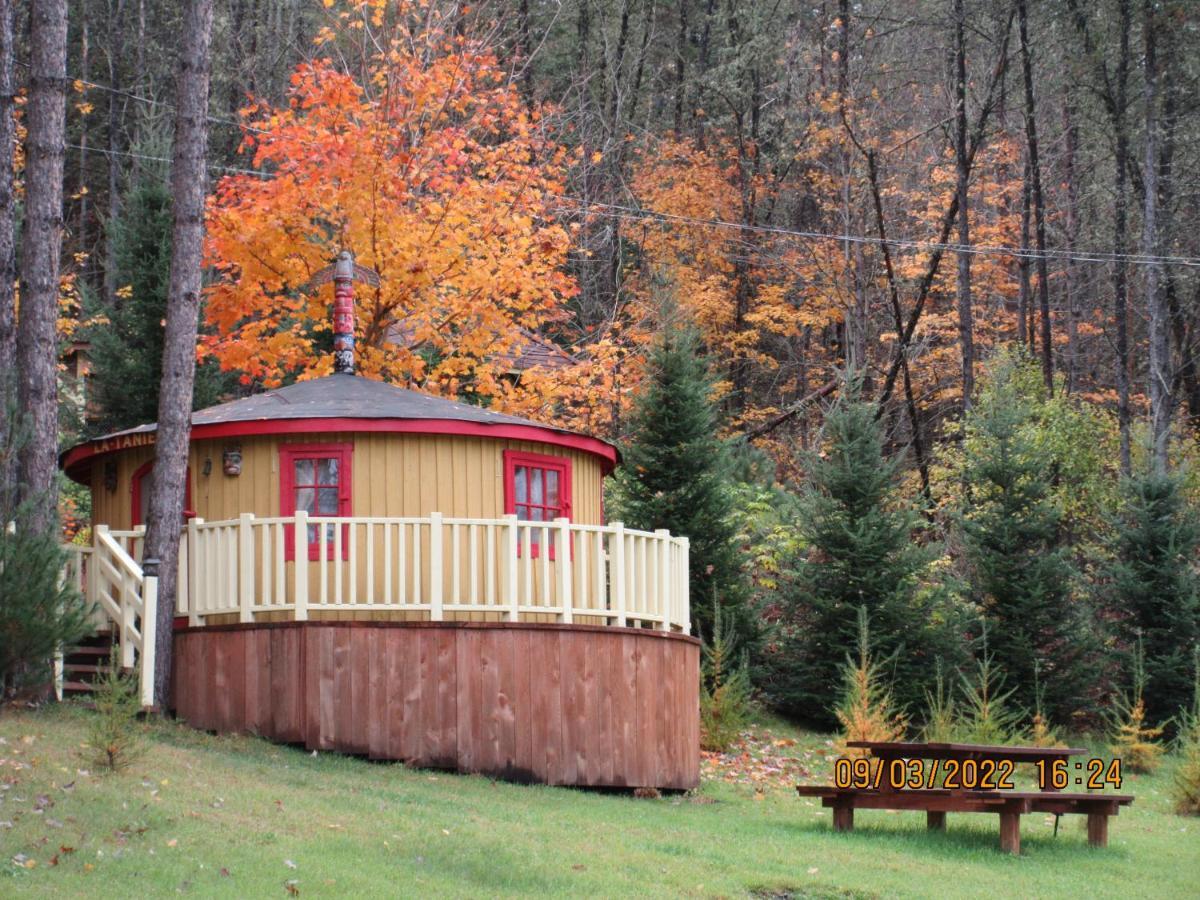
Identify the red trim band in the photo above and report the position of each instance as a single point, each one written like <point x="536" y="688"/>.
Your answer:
<point x="594" y="446"/>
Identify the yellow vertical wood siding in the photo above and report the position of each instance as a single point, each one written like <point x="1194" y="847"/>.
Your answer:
<point x="392" y="474"/>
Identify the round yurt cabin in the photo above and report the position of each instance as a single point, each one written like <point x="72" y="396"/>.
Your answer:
<point x="373" y="570"/>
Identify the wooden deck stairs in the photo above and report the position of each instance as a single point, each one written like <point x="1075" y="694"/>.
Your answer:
<point x="84" y="662"/>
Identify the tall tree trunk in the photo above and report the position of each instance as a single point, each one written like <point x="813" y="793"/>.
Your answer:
<point x="1072" y="290"/>
<point x="1024" y="327"/>
<point x="188" y="160"/>
<point x="680" y="67"/>
<point x="116" y="115"/>
<point x="1039" y="205"/>
<point x="41" y="246"/>
<point x="856" y="338"/>
<point x="910" y="403"/>
<point x="962" y="172"/>
<point x="8" y="212"/>
<point x="1120" y="234"/>
<point x="1159" y="317"/>
<point x="81" y="229"/>
<point x="525" y="47"/>
<point x="948" y="218"/>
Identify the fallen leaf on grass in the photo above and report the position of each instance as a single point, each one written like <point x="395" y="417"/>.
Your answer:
<point x="813" y="870"/>
<point x="291" y="886"/>
<point x="173" y="842"/>
<point x="224" y="872"/>
<point x="579" y="867"/>
<point x="88" y="867"/>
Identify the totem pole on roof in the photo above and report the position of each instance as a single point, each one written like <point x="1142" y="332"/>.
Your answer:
<point x="343" y="273"/>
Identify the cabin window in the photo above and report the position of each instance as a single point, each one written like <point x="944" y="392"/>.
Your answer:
<point x="537" y="489"/>
<point x="142" y="487"/>
<point x="315" y="479"/>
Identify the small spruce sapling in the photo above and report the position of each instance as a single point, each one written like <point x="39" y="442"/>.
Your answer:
<point x="1132" y="739"/>
<point x="866" y="709"/>
<point x="940" y="711"/>
<point x="1185" y="787"/>
<point x="115" y="736"/>
<point x="987" y="717"/>
<point x="725" y="691"/>
<point x="1041" y="732"/>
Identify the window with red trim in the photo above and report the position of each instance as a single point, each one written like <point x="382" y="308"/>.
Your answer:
<point x="315" y="478"/>
<point x="141" y="487"/>
<point x="537" y="489"/>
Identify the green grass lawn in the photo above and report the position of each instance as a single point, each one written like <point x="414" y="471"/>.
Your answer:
<point x="237" y="817"/>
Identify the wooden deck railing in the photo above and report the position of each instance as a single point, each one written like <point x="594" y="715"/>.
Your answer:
<point x="435" y="568"/>
<point x="108" y="575"/>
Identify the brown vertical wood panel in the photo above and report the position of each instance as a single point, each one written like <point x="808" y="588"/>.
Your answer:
<point x="469" y="712"/>
<point x="621" y="694"/>
<point x="446" y="698"/>
<point x="253" y="670"/>
<point x="573" y="690"/>
<point x="410" y="647"/>
<point x="689" y="709"/>
<point x="545" y="708"/>
<point x="559" y="705"/>
<point x="490" y="752"/>
<point x="376" y="710"/>
<point x="649" y="686"/>
<point x="601" y="650"/>
<point x="522" y="761"/>
<point x="344" y="729"/>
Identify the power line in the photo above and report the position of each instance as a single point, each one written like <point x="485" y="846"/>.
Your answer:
<point x="1096" y="256"/>
<point x="628" y="213"/>
<point x="163" y="159"/>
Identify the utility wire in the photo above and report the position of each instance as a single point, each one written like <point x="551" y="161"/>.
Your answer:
<point x="637" y="214"/>
<point x="1096" y="256"/>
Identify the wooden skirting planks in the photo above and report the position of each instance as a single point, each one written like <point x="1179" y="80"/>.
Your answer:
<point x="555" y="704"/>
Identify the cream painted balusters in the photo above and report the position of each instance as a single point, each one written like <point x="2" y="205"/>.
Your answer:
<point x="437" y="568"/>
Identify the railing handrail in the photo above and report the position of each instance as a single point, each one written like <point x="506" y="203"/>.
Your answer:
<point x="104" y="537"/>
<point x="578" y="527"/>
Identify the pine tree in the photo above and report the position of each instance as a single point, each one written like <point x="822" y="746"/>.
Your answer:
<point x="941" y="713"/>
<point x="861" y="550"/>
<point x="1041" y="731"/>
<point x="1134" y="741"/>
<point x="725" y="692"/>
<point x="127" y="350"/>
<point x="1154" y="590"/>
<point x="866" y="710"/>
<point x="1185" y="786"/>
<point x="1018" y="567"/>
<point x="673" y="473"/>
<point x="39" y="610"/>
<point x="114" y="733"/>
<point x="987" y="715"/>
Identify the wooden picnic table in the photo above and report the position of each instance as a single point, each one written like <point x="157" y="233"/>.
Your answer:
<point x="936" y="801"/>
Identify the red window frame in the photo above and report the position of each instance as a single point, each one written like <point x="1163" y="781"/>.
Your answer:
<point x="288" y="454"/>
<point x="135" y="491"/>
<point x="514" y="459"/>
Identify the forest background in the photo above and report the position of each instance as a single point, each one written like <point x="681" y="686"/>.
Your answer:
<point x="958" y="214"/>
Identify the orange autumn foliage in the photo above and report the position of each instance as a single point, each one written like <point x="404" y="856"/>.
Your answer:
<point x="435" y="174"/>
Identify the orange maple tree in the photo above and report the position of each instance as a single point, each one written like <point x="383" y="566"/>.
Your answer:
<point x="432" y="171"/>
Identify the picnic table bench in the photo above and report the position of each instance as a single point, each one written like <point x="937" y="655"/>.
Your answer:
<point x="1010" y="804"/>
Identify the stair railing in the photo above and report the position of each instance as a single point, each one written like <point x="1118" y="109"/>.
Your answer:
<point x="129" y="597"/>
